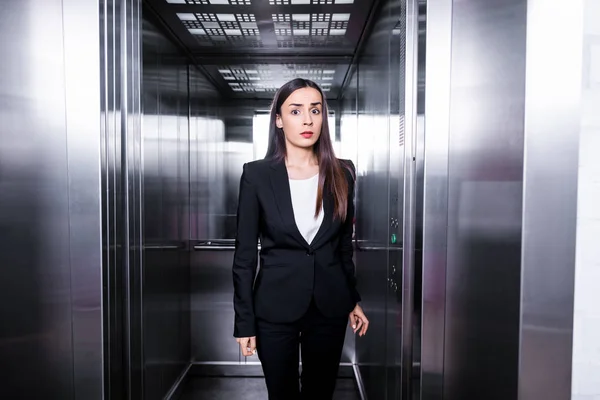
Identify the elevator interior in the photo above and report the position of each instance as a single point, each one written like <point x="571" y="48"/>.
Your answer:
<point x="210" y="70"/>
<point x="123" y="128"/>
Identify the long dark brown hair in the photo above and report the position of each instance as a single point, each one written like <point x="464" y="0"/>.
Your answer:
<point x="330" y="168"/>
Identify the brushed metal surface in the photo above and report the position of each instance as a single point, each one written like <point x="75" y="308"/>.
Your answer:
<point x="551" y="164"/>
<point x="49" y="201"/>
<point x="410" y="188"/>
<point x="348" y="135"/>
<point x="207" y="164"/>
<point x="397" y="83"/>
<point x="113" y="278"/>
<point x="122" y="195"/>
<point x="166" y="274"/>
<point x="212" y="312"/>
<point x="34" y="204"/>
<point x="390" y="164"/>
<point x="485" y="181"/>
<point x="81" y="38"/>
<point x="435" y="196"/>
<point x="379" y="135"/>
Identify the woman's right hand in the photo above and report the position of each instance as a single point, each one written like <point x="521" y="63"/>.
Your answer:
<point x="247" y="345"/>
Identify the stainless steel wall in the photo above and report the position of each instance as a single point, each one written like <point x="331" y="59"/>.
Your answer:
<point x="483" y="182"/>
<point x="210" y="274"/>
<point x="379" y="114"/>
<point x="166" y="273"/>
<point x="50" y="244"/>
<point x="552" y="127"/>
<point x="499" y="211"/>
<point x="122" y="196"/>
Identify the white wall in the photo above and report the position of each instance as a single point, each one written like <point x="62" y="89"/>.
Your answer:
<point x="586" y="335"/>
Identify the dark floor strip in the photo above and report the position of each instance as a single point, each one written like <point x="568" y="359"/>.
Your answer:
<point x="213" y="388"/>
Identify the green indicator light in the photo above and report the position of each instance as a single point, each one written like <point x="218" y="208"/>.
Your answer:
<point x="393" y="238"/>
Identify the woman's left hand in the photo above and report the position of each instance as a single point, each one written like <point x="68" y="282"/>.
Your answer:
<point x="358" y="320"/>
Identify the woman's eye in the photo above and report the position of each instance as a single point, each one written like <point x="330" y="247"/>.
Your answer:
<point x="316" y="111"/>
<point x="295" y="112"/>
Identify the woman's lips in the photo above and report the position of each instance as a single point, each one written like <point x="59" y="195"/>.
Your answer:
<point x="307" y="134"/>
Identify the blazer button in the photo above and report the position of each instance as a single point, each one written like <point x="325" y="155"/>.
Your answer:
<point x="309" y="253"/>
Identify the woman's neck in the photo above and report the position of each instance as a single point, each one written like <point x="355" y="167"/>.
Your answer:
<point x="300" y="157"/>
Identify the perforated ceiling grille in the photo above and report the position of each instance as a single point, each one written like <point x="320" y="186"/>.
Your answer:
<point x="323" y="24"/>
<point x="291" y="29"/>
<point x="269" y="77"/>
<point x="286" y="2"/>
<point x="215" y="28"/>
<point x="221" y="2"/>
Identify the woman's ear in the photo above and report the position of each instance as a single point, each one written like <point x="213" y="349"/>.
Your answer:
<point x="278" y="122"/>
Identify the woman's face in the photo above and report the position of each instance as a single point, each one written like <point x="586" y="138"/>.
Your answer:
<point x="301" y="118"/>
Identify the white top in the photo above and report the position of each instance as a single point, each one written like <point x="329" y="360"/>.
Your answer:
<point x="304" y="198"/>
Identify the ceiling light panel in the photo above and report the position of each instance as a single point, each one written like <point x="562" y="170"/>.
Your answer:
<point x="269" y="77"/>
<point x="212" y="2"/>
<point x="306" y="2"/>
<point x="213" y="28"/>
<point x="289" y="27"/>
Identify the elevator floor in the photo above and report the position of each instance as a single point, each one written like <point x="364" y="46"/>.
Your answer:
<point x="250" y="389"/>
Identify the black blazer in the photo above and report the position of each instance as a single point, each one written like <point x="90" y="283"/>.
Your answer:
<point x="291" y="271"/>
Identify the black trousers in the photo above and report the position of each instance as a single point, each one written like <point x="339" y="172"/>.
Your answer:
<point x="321" y="341"/>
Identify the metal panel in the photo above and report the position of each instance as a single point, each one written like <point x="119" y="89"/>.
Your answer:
<point x="50" y="253"/>
<point x="211" y="163"/>
<point x="114" y="370"/>
<point x="387" y="163"/>
<point x="207" y="165"/>
<point x="122" y="197"/>
<point x="348" y="132"/>
<point x="396" y="76"/>
<point x="435" y="196"/>
<point x="409" y="201"/>
<point x="380" y="200"/>
<point x="485" y="164"/>
<point x="82" y="74"/>
<point x="34" y="204"/>
<point x="166" y="275"/>
<point x="372" y="215"/>
<point x="552" y="124"/>
<point x="212" y="311"/>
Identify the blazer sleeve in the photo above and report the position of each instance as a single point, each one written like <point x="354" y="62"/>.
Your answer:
<point x="346" y="247"/>
<point x="245" y="257"/>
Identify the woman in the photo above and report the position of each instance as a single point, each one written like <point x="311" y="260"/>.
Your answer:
<point x="300" y="201"/>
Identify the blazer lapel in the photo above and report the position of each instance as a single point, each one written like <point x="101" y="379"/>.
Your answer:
<point x="283" y="198"/>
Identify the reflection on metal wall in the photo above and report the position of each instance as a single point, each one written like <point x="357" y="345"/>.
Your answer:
<point x="499" y="252"/>
<point x="497" y="276"/>
<point x="221" y="142"/>
<point x="383" y="134"/>
<point x="166" y="292"/>
<point x="435" y="196"/>
<point x="50" y="255"/>
<point x="552" y="126"/>
<point x="348" y="136"/>
<point x="485" y="181"/>
<point x="122" y="197"/>
<point x="207" y="145"/>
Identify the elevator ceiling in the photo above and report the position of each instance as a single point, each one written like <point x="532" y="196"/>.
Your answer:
<point x="249" y="48"/>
